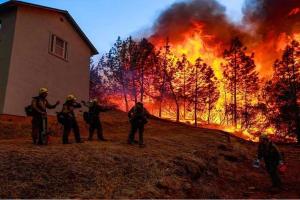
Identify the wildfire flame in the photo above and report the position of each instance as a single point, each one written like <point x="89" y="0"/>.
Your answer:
<point x="200" y="29"/>
<point x="204" y="34"/>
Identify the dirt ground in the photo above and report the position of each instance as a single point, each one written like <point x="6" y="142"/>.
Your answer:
<point x="178" y="162"/>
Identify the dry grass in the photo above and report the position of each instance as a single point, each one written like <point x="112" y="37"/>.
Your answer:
<point x="178" y="162"/>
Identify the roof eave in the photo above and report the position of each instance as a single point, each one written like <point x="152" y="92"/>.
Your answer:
<point x="94" y="51"/>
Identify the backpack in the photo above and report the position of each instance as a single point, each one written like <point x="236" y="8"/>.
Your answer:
<point x="61" y="118"/>
<point x="29" y="110"/>
<point x="86" y="117"/>
<point x="139" y="115"/>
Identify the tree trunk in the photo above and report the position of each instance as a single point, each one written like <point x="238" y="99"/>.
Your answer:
<point x="225" y="107"/>
<point x="125" y="97"/>
<point x="184" y="91"/>
<point x="209" y="104"/>
<point x="196" y="100"/>
<point x="162" y="89"/>
<point x="160" y="104"/>
<point x="159" y="112"/>
<point x="142" y="84"/>
<point x="177" y="110"/>
<point x="208" y="115"/>
<point x="134" y="87"/>
<point x="176" y="102"/>
<point x="235" y="92"/>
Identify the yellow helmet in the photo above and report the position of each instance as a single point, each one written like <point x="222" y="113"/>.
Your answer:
<point x="71" y="97"/>
<point x="43" y="90"/>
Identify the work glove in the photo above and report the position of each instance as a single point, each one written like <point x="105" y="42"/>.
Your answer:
<point x="256" y="163"/>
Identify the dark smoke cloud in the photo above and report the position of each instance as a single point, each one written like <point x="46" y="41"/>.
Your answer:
<point x="264" y="24"/>
<point x="261" y="18"/>
<point x="180" y="18"/>
<point x="270" y="21"/>
<point x="277" y="16"/>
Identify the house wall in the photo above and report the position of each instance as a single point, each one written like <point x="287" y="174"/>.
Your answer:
<point x="32" y="65"/>
<point x="8" y="19"/>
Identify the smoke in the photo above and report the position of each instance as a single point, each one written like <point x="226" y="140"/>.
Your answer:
<point x="267" y="26"/>
<point x="272" y="24"/>
<point x="277" y="16"/>
<point x="207" y="16"/>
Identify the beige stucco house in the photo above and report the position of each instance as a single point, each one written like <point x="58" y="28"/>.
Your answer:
<point x="40" y="47"/>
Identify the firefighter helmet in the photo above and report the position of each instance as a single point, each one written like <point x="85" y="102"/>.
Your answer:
<point x="43" y="91"/>
<point x="71" y="97"/>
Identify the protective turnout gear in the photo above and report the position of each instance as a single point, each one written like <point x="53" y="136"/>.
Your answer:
<point x="269" y="152"/>
<point x="39" y="106"/>
<point x="70" y="122"/>
<point x="94" y="118"/>
<point x="138" y="118"/>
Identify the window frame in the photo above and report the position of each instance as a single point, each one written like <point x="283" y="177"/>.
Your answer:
<point x="53" y="46"/>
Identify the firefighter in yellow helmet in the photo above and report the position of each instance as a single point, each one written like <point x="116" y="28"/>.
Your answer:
<point x="39" y="106"/>
<point x="269" y="152"/>
<point x="70" y="122"/>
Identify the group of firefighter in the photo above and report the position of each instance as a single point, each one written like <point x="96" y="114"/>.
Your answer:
<point x="38" y="110"/>
<point x="138" y="115"/>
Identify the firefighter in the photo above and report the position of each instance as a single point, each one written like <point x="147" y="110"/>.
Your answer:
<point x="269" y="152"/>
<point x="138" y="118"/>
<point x="39" y="106"/>
<point x="70" y="122"/>
<point x="94" y="119"/>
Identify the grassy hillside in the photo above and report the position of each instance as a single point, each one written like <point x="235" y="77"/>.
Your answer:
<point x="178" y="162"/>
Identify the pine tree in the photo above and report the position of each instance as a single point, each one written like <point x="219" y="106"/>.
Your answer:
<point x="282" y="92"/>
<point x="210" y="89"/>
<point x="240" y="76"/>
<point x="161" y="62"/>
<point x="145" y="51"/>
<point x="249" y="83"/>
<point x="116" y="68"/>
<point x="173" y="82"/>
<point x="184" y="65"/>
<point x="194" y="83"/>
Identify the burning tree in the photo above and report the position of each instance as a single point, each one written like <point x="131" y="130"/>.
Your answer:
<point x="202" y="89"/>
<point x="144" y="54"/>
<point x="138" y="70"/>
<point x="173" y="81"/>
<point x="95" y="80"/>
<point x="210" y="89"/>
<point x="195" y="88"/>
<point x="184" y="66"/>
<point x="99" y="84"/>
<point x="282" y="92"/>
<point x="115" y="68"/>
<point x="241" y="80"/>
<point x="162" y="59"/>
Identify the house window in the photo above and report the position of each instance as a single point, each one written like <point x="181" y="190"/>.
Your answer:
<point x="59" y="47"/>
